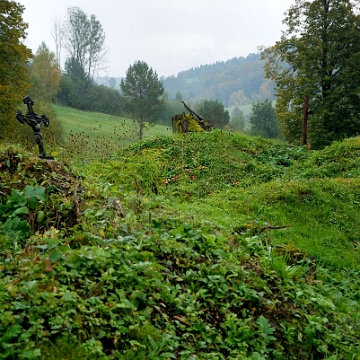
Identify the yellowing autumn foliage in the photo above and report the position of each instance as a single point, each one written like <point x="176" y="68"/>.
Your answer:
<point x="44" y="74"/>
<point x="14" y="81"/>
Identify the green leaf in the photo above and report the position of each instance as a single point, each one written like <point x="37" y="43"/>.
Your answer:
<point x="264" y="325"/>
<point x="30" y="284"/>
<point x="30" y="354"/>
<point x="20" y="211"/>
<point x="11" y="332"/>
<point x="265" y="329"/>
<point x="54" y="256"/>
<point x="33" y="195"/>
<point x="17" y="198"/>
<point x="19" y="305"/>
<point x="68" y="296"/>
<point x="167" y="355"/>
<point x="16" y="229"/>
<point x="40" y="216"/>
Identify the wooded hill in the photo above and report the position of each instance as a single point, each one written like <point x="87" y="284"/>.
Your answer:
<point x="238" y="81"/>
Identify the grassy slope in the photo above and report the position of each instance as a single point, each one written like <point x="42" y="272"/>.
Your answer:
<point x="100" y="132"/>
<point x="173" y="258"/>
<point x="235" y="180"/>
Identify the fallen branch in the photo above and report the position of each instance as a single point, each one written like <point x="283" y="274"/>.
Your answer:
<point x="272" y="228"/>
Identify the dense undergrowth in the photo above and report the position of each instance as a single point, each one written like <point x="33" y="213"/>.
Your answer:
<point x="208" y="246"/>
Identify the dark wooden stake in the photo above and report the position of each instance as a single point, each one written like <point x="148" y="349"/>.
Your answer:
<point x="306" y="112"/>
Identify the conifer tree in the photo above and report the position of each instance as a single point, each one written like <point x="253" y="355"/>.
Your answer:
<point x="142" y="92"/>
<point x="213" y="111"/>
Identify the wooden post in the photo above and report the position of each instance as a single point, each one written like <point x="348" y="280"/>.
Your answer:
<point x="304" y="130"/>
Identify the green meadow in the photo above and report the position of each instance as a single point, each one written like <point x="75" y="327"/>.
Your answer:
<point x="100" y="133"/>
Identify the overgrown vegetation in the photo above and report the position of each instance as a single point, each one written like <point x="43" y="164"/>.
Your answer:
<point x="204" y="246"/>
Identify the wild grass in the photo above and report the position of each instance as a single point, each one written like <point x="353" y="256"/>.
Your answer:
<point x="89" y="135"/>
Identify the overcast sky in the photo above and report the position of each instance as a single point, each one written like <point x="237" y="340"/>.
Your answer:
<point x="169" y="35"/>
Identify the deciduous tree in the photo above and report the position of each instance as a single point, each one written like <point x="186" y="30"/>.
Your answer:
<point x="142" y="93"/>
<point x="44" y="74"/>
<point x="84" y="39"/>
<point x="14" y="80"/>
<point x="58" y="35"/>
<point x="318" y="55"/>
<point x="263" y="120"/>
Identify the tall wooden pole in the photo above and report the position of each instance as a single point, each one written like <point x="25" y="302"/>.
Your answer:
<point x="304" y="130"/>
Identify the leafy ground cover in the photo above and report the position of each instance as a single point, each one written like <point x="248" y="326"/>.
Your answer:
<point x="208" y="246"/>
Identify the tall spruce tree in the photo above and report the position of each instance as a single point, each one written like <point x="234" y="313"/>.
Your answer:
<point x="318" y="55"/>
<point x="14" y="80"/>
<point x="142" y="93"/>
